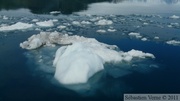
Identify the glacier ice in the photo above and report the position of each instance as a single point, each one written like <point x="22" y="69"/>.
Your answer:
<point x="76" y="64"/>
<point x="82" y="57"/>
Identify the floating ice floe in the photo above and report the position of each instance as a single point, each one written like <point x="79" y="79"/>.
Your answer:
<point x="104" y="22"/>
<point x="174" y="17"/>
<point x="82" y="57"/>
<point x="85" y="22"/>
<point x="35" y="20"/>
<point x="76" y="23"/>
<point x="111" y="30"/>
<point x="144" y="39"/>
<point x="5" y="17"/>
<point x="55" y="12"/>
<point x="137" y="35"/>
<point x="16" y="26"/>
<point x="101" y="31"/>
<point x="48" y="23"/>
<point x="96" y="18"/>
<point x="156" y="37"/>
<point x="61" y="27"/>
<point x="145" y="23"/>
<point x="173" y="42"/>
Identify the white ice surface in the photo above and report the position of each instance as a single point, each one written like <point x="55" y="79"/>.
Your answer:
<point x="174" y="17"/>
<point x="133" y="34"/>
<point x="48" y="23"/>
<point x="104" y="22"/>
<point x="101" y="31"/>
<point x="173" y="42"/>
<point x="16" y="26"/>
<point x="82" y="58"/>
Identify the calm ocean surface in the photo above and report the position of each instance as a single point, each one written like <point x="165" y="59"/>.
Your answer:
<point x="21" y="80"/>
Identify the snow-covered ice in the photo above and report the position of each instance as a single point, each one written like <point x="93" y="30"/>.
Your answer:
<point x="48" y="23"/>
<point x="61" y="27"/>
<point x="156" y="37"/>
<point x="55" y="12"/>
<point x="104" y="22"/>
<point x="76" y="23"/>
<point x="85" y="22"/>
<point x="82" y="57"/>
<point x="173" y="42"/>
<point x="137" y="35"/>
<point x="16" y="26"/>
<point x="101" y="31"/>
<point x="111" y="30"/>
<point x="76" y="64"/>
<point x="174" y="17"/>
<point x="144" y="39"/>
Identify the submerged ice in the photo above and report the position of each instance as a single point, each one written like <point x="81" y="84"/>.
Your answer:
<point x="82" y="57"/>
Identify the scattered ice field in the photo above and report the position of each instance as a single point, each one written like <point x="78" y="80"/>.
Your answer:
<point x="66" y="49"/>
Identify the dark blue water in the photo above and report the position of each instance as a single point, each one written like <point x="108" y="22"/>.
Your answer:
<point x="18" y="82"/>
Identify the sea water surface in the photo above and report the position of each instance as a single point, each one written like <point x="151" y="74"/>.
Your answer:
<point x="24" y="78"/>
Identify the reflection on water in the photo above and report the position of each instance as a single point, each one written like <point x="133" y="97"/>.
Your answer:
<point x="135" y="7"/>
<point x="165" y="1"/>
<point x="46" y="6"/>
<point x="93" y="6"/>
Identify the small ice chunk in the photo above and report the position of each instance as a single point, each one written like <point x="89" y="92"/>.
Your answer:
<point x="96" y="18"/>
<point x="145" y="23"/>
<point x="175" y="24"/>
<point x="137" y="35"/>
<point x="61" y="27"/>
<point x="174" y="17"/>
<point x="55" y="12"/>
<point x="104" y="22"/>
<point x="101" y="31"/>
<point x="111" y="30"/>
<point x="76" y="23"/>
<point x="36" y="41"/>
<point x="16" y="26"/>
<point x="144" y="39"/>
<point x="170" y="26"/>
<point x="139" y="54"/>
<point x="156" y="37"/>
<point x="55" y="20"/>
<point x="48" y="23"/>
<point x="85" y="22"/>
<point x="173" y="42"/>
<point x="35" y="20"/>
<point x="5" y="17"/>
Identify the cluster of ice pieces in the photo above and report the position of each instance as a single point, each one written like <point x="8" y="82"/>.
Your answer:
<point x="173" y="42"/>
<point x="82" y="57"/>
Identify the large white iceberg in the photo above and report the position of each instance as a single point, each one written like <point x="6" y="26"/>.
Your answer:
<point x="76" y="64"/>
<point x="16" y="26"/>
<point x="82" y="57"/>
